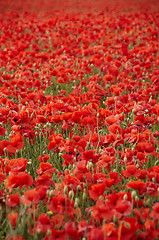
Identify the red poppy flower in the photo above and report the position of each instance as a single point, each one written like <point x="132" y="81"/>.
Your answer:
<point x="2" y="177"/>
<point x="43" y="223"/>
<point x="41" y="119"/>
<point x="115" y="129"/>
<point x="30" y="197"/>
<point x="145" y="147"/>
<point x="13" y="218"/>
<point x="44" y="180"/>
<point x="46" y="168"/>
<point x="137" y="185"/>
<point x="130" y="171"/>
<point x="15" y="237"/>
<point x="43" y="158"/>
<point x="18" y="165"/>
<point x="71" y="230"/>
<point x="111" y="120"/>
<point x="96" y="233"/>
<point x="97" y="190"/>
<point x="2" y="131"/>
<point x="108" y="78"/>
<point x="102" y="211"/>
<point x="155" y="212"/>
<point x="20" y="179"/>
<point x="150" y="227"/>
<point x="123" y="208"/>
<point x="58" y="220"/>
<point x="13" y="200"/>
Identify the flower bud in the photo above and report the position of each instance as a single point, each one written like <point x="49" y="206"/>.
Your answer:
<point x="127" y="225"/>
<point x="136" y="198"/>
<point x="71" y="194"/>
<point x="76" y="202"/>
<point x="133" y="194"/>
<point x="125" y="159"/>
<point x="78" y="187"/>
<point x="153" y="180"/>
<point x="65" y="189"/>
<point x="84" y="194"/>
<point x="125" y="197"/>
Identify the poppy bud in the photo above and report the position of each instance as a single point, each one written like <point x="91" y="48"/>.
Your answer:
<point x="127" y="225"/>
<point x="84" y="185"/>
<point x="125" y="159"/>
<point x="148" y="202"/>
<point x="65" y="189"/>
<point x="137" y="165"/>
<point x="90" y="164"/>
<point x="84" y="194"/>
<point x="76" y="203"/>
<point x="71" y="194"/>
<point x="49" y="232"/>
<point x="78" y="187"/>
<point x="136" y="198"/>
<point x="153" y="180"/>
<point x="5" y="162"/>
<point x="133" y="194"/>
<point x="125" y="197"/>
<point x="150" y="99"/>
<point x="115" y="219"/>
<point x="133" y="148"/>
<point x="87" y="165"/>
<point x="49" y="193"/>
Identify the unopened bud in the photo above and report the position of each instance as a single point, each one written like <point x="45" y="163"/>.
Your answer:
<point x="78" y="187"/>
<point x="136" y="198"/>
<point x="125" y="197"/>
<point x="65" y="189"/>
<point x="84" y="194"/>
<point x="137" y="165"/>
<point x="76" y="203"/>
<point x="71" y="194"/>
<point x="133" y="194"/>
<point x="49" y="232"/>
<point x="125" y="159"/>
<point x="153" y="180"/>
<point x="127" y="225"/>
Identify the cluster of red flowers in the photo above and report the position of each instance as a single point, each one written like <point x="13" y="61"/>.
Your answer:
<point x="79" y="120"/>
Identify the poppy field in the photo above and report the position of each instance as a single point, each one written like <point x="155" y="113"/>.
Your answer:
<point x="79" y="120"/>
